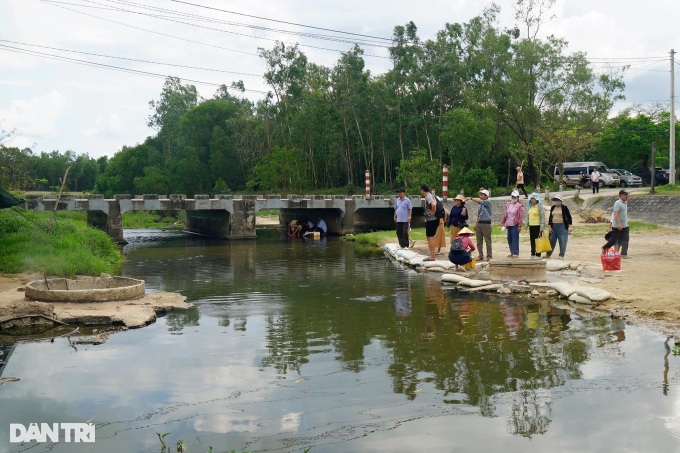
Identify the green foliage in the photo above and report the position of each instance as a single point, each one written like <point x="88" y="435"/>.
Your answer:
<point x="281" y="169"/>
<point x="419" y="169"/>
<point x="626" y="141"/>
<point x="154" y="219"/>
<point x="23" y="169"/>
<point x="468" y="138"/>
<point x="220" y="187"/>
<point x="70" y="248"/>
<point x="473" y="179"/>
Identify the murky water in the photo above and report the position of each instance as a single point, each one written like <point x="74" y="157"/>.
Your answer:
<point x="295" y="343"/>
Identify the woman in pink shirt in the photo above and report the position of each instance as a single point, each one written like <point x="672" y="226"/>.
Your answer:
<point x="462" y="248"/>
<point x="512" y="221"/>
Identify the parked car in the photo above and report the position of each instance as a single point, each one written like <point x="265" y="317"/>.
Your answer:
<point x="573" y="171"/>
<point x="661" y="175"/>
<point x="627" y="178"/>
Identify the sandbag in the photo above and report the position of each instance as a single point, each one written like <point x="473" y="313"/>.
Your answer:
<point x="580" y="299"/>
<point x="436" y="269"/>
<point x="453" y="278"/>
<point x="391" y="247"/>
<point x="475" y="283"/>
<point x="594" y="294"/>
<point x="565" y="289"/>
<point x="406" y="254"/>
<point x="438" y="263"/>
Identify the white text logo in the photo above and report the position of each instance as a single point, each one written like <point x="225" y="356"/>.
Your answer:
<point x="54" y="432"/>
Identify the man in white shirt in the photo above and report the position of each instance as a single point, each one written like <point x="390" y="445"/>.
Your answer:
<point x="321" y="226"/>
<point x="595" y="180"/>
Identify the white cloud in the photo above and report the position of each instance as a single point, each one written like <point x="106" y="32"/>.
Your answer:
<point x="109" y="127"/>
<point x="34" y="119"/>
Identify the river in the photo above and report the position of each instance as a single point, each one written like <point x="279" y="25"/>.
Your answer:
<point x="292" y="344"/>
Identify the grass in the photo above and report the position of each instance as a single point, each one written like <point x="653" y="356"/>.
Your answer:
<point x="667" y="190"/>
<point x="268" y="213"/>
<point x="70" y="248"/>
<point x="379" y="238"/>
<point x="154" y="219"/>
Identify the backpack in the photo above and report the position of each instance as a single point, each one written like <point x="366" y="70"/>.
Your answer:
<point x="457" y="245"/>
<point x="439" y="212"/>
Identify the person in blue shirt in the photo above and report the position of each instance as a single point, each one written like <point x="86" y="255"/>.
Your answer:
<point x="403" y="209"/>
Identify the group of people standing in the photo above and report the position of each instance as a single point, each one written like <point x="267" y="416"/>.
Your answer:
<point x="516" y="216"/>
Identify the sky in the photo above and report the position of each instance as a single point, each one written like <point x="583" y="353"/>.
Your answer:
<point x="57" y="105"/>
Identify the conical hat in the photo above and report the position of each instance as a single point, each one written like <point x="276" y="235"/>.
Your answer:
<point x="466" y="230"/>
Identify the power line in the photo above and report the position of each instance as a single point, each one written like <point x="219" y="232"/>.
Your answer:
<point x="59" y="5"/>
<point x="196" y="17"/>
<point x="169" y="19"/>
<point x="131" y="59"/>
<point x="108" y="66"/>
<point x="283" y="21"/>
<point x="49" y="2"/>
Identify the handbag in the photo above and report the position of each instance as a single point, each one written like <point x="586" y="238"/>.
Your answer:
<point x="542" y="244"/>
<point x="611" y="261"/>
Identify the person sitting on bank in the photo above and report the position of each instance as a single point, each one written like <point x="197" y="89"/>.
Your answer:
<point x="294" y="228"/>
<point x="462" y="247"/>
<point x="321" y="226"/>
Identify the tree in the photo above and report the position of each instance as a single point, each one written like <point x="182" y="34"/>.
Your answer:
<point x="419" y="169"/>
<point x="468" y="137"/>
<point x="281" y="169"/>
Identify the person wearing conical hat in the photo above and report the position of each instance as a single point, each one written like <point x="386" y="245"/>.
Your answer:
<point x="458" y="216"/>
<point x="462" y="247"/>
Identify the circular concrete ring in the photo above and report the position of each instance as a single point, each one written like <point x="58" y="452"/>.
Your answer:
<point x="85" y="289"/>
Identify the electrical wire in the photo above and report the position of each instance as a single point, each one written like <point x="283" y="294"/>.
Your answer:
<point x="59" y="4"/>
<point x="131" y="59"/>
<point x="196" y="17"/>
<point x="109" y="67"/>
<point x="169" y="19"/>
<point x="283" y="21"/>
<point x="150" y="31"/>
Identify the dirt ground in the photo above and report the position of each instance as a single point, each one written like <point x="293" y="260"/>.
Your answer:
<point x="645" y="290"/>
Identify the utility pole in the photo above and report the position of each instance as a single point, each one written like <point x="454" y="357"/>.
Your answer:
<point x="653" y="172"/>
<point x="671" y="141"/>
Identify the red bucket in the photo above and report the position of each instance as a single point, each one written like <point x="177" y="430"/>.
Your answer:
<point x="611" y="262"/>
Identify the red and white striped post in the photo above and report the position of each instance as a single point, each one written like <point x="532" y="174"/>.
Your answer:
<point x="445" y="181"/>
<point x="367" y="174"/>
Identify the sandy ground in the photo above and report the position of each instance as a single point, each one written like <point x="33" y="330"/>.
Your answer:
<point x="647" y="286"/>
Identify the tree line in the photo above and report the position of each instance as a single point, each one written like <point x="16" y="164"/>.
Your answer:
<point x="24" y="170"/>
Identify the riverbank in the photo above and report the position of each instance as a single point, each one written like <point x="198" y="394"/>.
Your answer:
<point x="70" y="248"/>
<point x="645" y="288"/>
<point x="133" y="313"/>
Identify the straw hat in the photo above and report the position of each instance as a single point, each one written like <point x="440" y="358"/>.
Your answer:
<point x="466" y="230"/>
<point x="460" y="197"/>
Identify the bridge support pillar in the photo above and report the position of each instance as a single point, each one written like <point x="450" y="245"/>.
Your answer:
<point x="111" y="223"/>
<point x="222" y="224"/>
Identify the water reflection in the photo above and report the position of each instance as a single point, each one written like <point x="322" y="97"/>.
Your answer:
<point x="294" y="343"/>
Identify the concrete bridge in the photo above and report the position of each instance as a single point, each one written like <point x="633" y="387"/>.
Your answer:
<point x="233" y="217"/>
